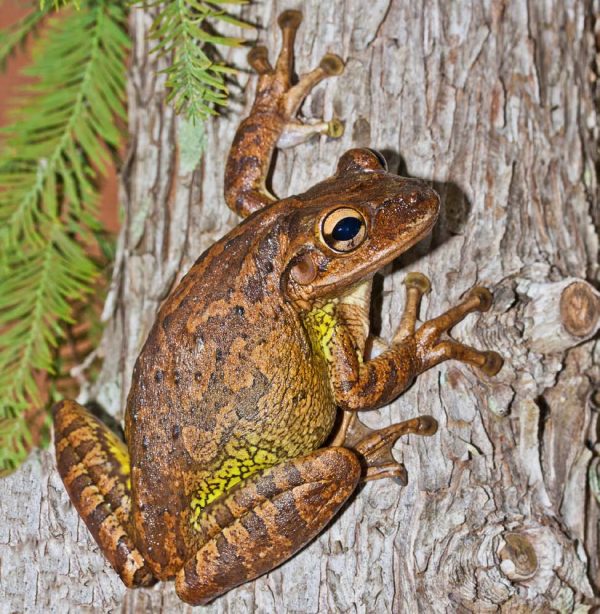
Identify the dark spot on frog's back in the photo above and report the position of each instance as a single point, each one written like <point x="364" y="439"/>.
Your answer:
<point x="229" y="561"/>
<point x="288" y="518"/>
<point x="267" y="252"/>
<point x="293" y="476"/>
<point x="253" y="289"/>
<point x="159" y="376"/>
<point x="252" y="127"/>
<point x="238" y="310"/>
<point x="166" y="321"/>
<point x="206" y="422"/>
<point x="176" y="431"/>
<point x="248" y="408"/>
<point x="266" y="487"/>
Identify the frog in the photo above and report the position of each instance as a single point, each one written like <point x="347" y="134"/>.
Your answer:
<point x="241" y="439"/>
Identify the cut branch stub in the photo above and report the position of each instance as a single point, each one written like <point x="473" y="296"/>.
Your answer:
<point x="560" y="315"/>
<point x="518" y="558"/>
<point x="580" y="309"/>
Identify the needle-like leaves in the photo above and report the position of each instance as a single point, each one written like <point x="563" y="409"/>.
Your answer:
<point x="62" y="131"/>
<point x="15" y="36"/>
<point x="59" y="139"/>
<point x="196" y="84"/>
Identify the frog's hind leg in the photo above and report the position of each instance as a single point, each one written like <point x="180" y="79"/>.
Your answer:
<point x="94" y="466"/>
<point x="374" y="447"/>
<point x="264" y="520"/>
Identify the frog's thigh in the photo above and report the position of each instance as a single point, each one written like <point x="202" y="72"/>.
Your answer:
<point x="94" y="466"/>
<point x="266" y="519"/>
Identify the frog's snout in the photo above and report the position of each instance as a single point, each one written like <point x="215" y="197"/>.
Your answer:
<point x="406" y="215"/>
<point x="424" y="201"/>
<point x="419" y="208"/>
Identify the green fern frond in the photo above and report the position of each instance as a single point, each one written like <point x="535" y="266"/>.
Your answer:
<point x="63" y="124"/>
<point x="15" y="36"/>
<point x="195" y="82"/>
<point x="62" y="131"/>
<point x="60" y="272"/>
<point x="60" y="3"/>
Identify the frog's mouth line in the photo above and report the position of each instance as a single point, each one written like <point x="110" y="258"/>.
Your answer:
<point x="304" y="286"/>
<point x="426" y="231"/>
<point x="332" y="289"/>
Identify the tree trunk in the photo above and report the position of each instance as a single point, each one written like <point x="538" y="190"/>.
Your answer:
<point x="494" y="103"/>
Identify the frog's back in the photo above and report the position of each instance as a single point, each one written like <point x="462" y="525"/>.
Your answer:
<point x="225" y="385"/>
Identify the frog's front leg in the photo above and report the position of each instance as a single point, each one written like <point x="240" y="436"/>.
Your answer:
<point x="94" y="466"/>
<point x="361" y="385"/>
<point x="272" y="119"/>
<point x="264" y="520"/>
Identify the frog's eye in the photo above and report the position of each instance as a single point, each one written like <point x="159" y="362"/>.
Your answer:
<point x="343" y="229"/>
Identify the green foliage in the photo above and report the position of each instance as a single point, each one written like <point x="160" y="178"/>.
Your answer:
<point x="59" y="3"/>
<point x="15" y="36"/>
<point x="61" y="135"/>
<point x="183" y="30"/>
<point x="63" y="130"/>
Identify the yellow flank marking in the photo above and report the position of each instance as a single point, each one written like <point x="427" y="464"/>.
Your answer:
<point x="240" y="463"/>
<point x="119" y="453"/>
<point x="321" y="324"/>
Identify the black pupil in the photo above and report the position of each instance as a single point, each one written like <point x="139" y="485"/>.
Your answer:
<point x="347" y="228"/>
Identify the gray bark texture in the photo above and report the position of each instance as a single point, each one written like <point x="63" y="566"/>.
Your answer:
<point x="493" y="102"/>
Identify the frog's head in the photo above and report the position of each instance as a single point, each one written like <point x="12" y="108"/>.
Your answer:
<point x="351" y="225"/>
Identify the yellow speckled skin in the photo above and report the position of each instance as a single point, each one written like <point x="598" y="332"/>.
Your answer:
<point x="239" y="382"/>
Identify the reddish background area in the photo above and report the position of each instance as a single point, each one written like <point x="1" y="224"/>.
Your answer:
<point x="11" y="80"/>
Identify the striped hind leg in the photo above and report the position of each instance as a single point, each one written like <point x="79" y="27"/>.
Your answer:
<point x="264" y="520"/>
<point x="94" y="466"/>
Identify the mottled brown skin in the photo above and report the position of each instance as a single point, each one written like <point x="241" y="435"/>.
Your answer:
<point x="237" y="387"/>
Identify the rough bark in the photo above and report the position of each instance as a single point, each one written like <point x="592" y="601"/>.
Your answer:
<point x="494" y="103"/>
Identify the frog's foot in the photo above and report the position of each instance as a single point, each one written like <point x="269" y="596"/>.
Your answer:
<point x="374" y="447"/>
<point x="275" y="88"/>
<point x="272" y="120"/>
<point x="297" y="132"/>
<point x="264" y="520"/>
<point x="94" y="466"/>
<point x="429" y="349"/>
